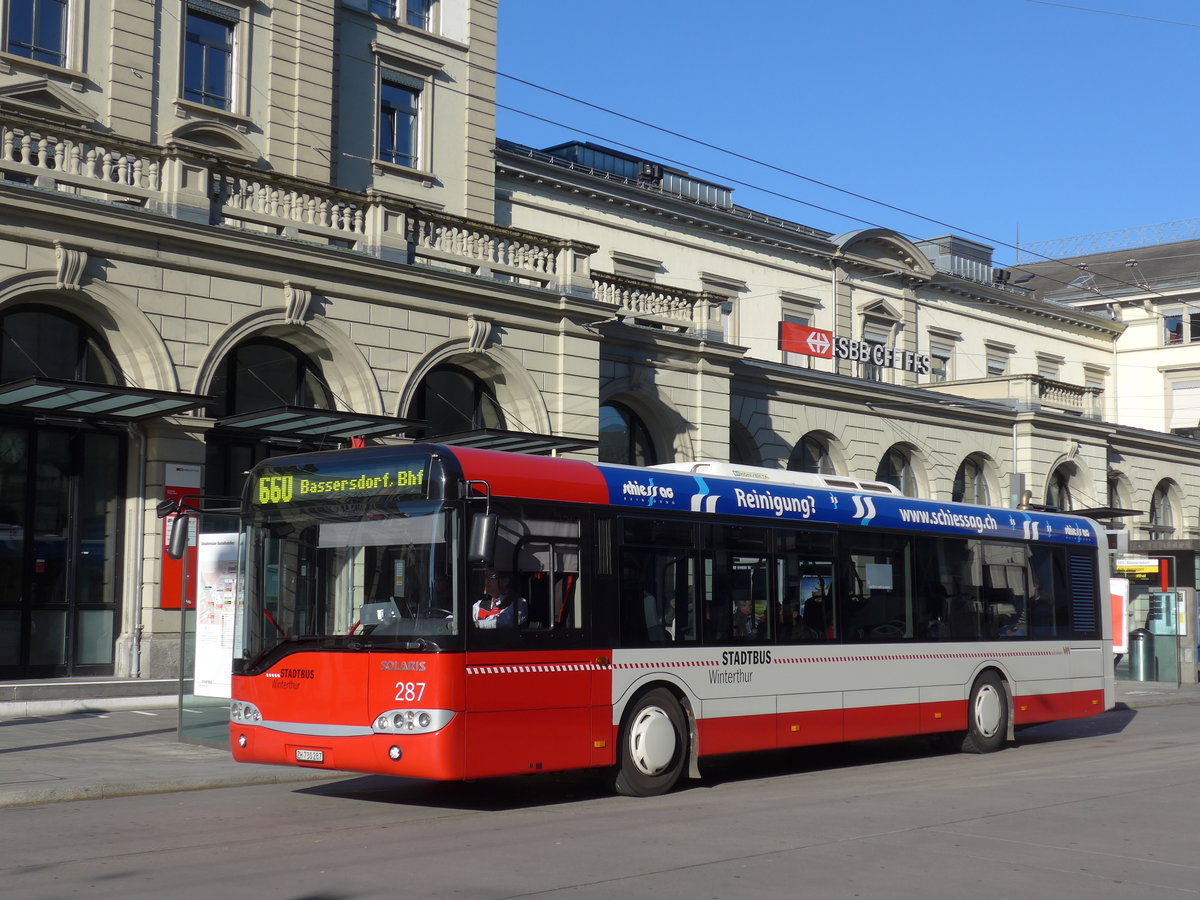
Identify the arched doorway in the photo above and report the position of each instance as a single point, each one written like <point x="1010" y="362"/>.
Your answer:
<point x="811" y="454"/>
<point x="61" y="490"/>
<point x="896" y="468"/>
<point x="259" y="373"/>
<point x="453" y="399"/>
<point x="970" y="482"/>
<point x="624" y="437"/>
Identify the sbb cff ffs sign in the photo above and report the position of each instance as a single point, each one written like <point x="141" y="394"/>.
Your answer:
<point x="794" y="338"/>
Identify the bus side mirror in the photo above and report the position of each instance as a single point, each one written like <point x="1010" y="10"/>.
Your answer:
<point x="483" y="538"/>
<point x="177" y="545"/>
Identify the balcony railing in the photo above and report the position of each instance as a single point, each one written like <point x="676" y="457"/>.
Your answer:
<point x="193" y="188"/>
<point x="653" y="304"/>
<point x="79" y="164"/>
<point x="1028" y="392"/>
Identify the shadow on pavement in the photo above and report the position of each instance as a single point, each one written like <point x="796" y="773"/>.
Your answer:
<point x="540" y="790"/>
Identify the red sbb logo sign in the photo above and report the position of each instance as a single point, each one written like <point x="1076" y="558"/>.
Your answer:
<point x="794" y="338"/>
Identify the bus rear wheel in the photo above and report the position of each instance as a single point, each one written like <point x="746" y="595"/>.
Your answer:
<point x="987" y="715"/>
<point x="653" y="745"/>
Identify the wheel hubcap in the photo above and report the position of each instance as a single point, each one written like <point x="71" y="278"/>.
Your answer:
<point x="652" y="740"/>
<point x="987" y="710"/>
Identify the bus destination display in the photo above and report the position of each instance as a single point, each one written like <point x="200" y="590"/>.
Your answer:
<point x="279" y="487"/>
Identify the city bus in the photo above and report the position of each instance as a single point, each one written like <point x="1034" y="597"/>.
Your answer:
<point x="447" y="613"/>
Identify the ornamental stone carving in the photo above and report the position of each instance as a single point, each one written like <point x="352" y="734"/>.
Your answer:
<point x="69" y="265"/>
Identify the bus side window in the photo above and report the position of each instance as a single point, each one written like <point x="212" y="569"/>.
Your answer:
<point x="880" y="606"/>
<point x="657" y="589"/>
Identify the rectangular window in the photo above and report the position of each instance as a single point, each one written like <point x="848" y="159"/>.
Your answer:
<point x="996" y="366"/>
<point x="879" y="605"/>
<point x="939" y="370"/>
<point x="37" y="30"/>
<point x="737" y="588"/>
<point x="797" y="359"/>
<point x="419" y="14"/>
<point x="208" y="56"/>
<point x="399" y="115"/>
<point x="876" y="335"/>
<point x="804" y="565"/>
<point x="1173" y="328"/>
<point x="657" y="588"/>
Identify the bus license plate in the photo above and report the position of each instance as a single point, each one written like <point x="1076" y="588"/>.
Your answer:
<point x="310" y="756"/>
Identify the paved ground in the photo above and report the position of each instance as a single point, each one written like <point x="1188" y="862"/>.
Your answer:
<point x="125" y="746"/>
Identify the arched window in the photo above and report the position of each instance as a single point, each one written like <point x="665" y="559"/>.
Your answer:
<point x="453" y="399"/>
<point x="896" y="468"/>
<point x="262" y="373"/>
<point x="811" y="454"/>
<point x="42" y="340"/>
<point x="624" y="438"/>
<point x="1162" y="514"/>
<point x="1058" y="489"/>
<point x="970" y="484"/>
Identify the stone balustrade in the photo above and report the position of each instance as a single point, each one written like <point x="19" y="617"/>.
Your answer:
<point x="191" y="188"/>
<point x="655" y="304"/>
<point x="77" y="164"/>
<point x="1027" y="392"/>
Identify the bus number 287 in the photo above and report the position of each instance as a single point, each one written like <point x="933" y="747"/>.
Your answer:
<point x="410" y="691"/>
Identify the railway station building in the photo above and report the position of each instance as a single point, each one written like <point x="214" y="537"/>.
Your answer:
<point x="230" y="231"/>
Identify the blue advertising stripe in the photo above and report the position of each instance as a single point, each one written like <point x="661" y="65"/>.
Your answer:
<point x="665" y="490"/>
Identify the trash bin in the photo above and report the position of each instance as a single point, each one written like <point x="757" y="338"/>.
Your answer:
<point x="1141" y="655"/>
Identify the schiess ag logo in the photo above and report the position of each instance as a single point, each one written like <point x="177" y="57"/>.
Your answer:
<point x="648" y="493"/>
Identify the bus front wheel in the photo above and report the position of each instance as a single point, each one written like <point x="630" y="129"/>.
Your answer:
<point x="653" y="745"/>
<point x="987" y="715"/>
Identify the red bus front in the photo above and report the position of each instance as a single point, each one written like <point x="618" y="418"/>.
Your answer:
<point x="353" y="650"/>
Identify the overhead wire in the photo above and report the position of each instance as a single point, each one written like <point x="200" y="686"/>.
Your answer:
<point x="331" y="48"/>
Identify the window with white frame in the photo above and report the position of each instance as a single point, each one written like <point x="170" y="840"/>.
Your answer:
<point x="1181" y="325"/>
<point x="940" y="359"/>
<point x="1185" y="406"/>
<point x="1162" y="512"/>
<point x="419" y="14"/>
<point x="874" y="333"/>
<point x="208" y="54"/>
<point x="799" y="310"/>
<point x="37" y="30"/>
<point x="413" y="13"/>
<point x="998" y="356"/>
<point x="1050" y="366"/>
<point x="797" y="359"/>
<point x="398" y="139"/>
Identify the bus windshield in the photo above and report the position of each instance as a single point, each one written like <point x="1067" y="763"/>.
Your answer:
<point x="328" y="575"/>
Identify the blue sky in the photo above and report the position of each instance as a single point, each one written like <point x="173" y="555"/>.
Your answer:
<point x="1011" y="121"/>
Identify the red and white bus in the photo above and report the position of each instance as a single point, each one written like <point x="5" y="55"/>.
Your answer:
<point x="651" y="616"/>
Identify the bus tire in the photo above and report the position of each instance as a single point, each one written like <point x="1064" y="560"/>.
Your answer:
<point x="654" y="745"/>
<point x="987" y="715"/>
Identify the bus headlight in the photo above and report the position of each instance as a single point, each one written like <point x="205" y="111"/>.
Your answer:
<point x="412" y="721"/>
<point x="244" y="713"/>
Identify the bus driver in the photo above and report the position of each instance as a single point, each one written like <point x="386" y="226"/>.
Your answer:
<point x="501" y="606"/>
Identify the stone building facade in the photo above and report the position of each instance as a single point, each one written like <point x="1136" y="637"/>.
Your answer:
<point x="229" y="230"/>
